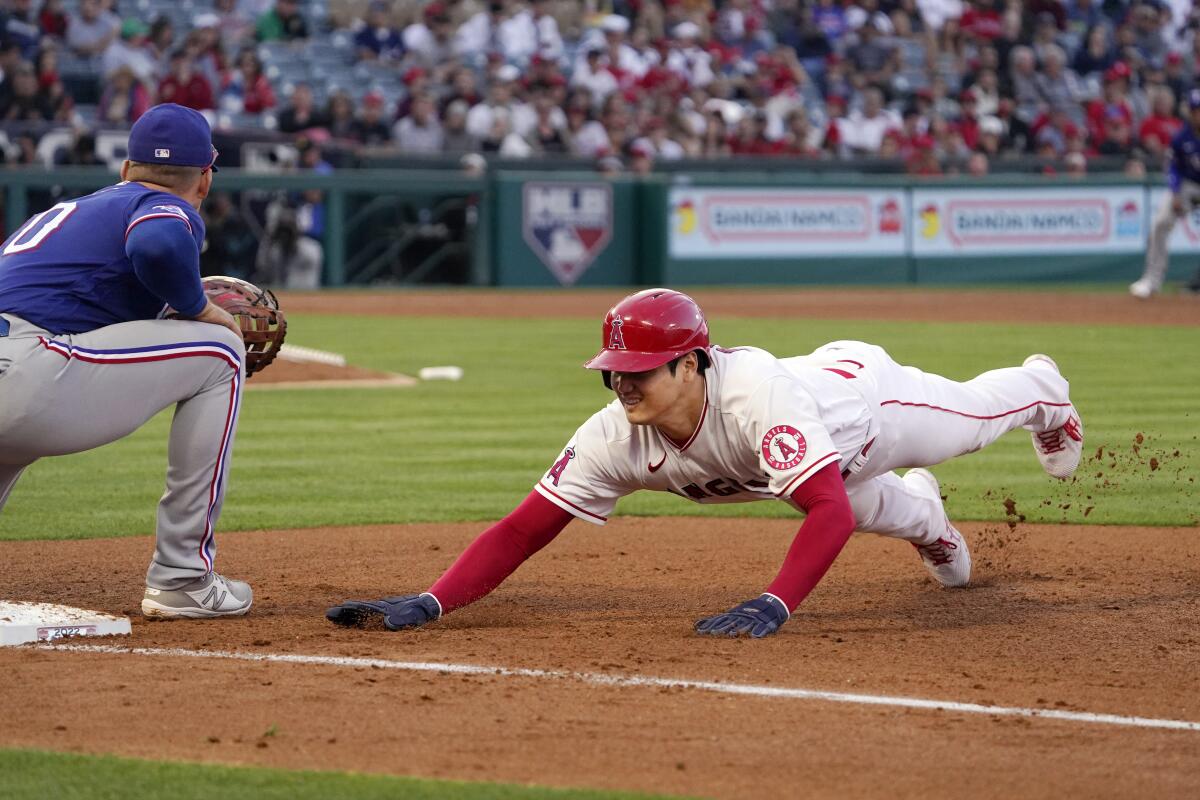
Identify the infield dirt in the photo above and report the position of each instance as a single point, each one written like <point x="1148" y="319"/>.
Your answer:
<point x="1086" y="618"/>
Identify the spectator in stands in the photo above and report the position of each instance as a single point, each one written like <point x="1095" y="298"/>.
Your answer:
<point x="124" y="98"/>
<point x="234" y="25"/>
<point x="463" y="88"/>
<point x="592" y="73"/>
<point x="1118" y="135"/>
<point x="1057" y="86"/>
<point x="1161" y="125"/>
<point x="621" y="57"/>
<point x="375" y="39"/>
<point x="874" y="58"/>
<point x="20" y="25"/>
<point x="82" y="152"/>
<point x="204" y="40"/>
<point x="658" y="141"/>
<point x="54" y="95"/>
<point x="283" y="22"/>
<point x="92" y="30"/>
<point x="420" y="133"/>
<point x="1097" y="54"/>
<point x="229" y="243"/>
<point x="1075" y="165"/>
<point x="545" y="24"/>
<point x="862" y="131"/>
<point x="301" y="112"/>
<point x="248" y="90"/>
<point x="546" y="135"/>
<point x="184" y="85"/>
<point x="369" y="128"/>
<point x="160" y="41"/>
<point x="27" y="153"/>
<point x="1114" y="99"/>
<point x="1175" y="72"/>
<point x="1147" y="21"/>
<point x="26" y="103"/>
<point x="430" y="42"/>
<point x="479" y="35"/>
<point x="129" y="50"/>
<point x="500" y="98"/>
<point x="1023" y="80"/>
<point x="977" y="165"/>
<point x="52" y="20"/>
<point x="286" y="259"/>
<point x="340" y="113"/>
<point x="986" y="90"/>
<point x="10" y="59"/>
<point x="456" y="139"/>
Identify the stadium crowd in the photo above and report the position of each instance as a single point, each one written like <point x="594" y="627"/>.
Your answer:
<point x="927" y="83"/>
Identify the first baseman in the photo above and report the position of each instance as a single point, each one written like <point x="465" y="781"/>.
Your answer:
<point x="85" y="358"/>
<point x="822" y="432"/>
<point x="1183" y="180"/>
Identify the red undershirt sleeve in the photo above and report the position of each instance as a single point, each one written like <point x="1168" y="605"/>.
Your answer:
<point x="498" y="551"/>
<point x="826" y="529"/>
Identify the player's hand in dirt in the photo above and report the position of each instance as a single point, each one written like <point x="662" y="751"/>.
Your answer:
<point x="759" y="617"/>
<point x="396" y="613"/>
<point x="216" y="315"/>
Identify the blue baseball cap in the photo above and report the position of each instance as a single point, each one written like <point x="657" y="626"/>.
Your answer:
<point x="1194" y="99"/>
<point x="172" y="134"/>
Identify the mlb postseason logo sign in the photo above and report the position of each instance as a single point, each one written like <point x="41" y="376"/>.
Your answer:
<point x="1010" y="221"/>
<point x="567" y="225"/>
<point x="787" y="223"/>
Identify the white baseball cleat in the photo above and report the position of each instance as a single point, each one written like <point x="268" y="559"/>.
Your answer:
<point x="947" y="558"/>
<point x="1142" y="289"/>
<point x="1061" y="449"/>
<point x="211" y="596"/>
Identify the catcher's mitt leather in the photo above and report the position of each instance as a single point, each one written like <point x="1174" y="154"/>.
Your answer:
<point x="257" y="312"/>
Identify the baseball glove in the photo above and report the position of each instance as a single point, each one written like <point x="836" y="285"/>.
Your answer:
<point x="257" y="312"/>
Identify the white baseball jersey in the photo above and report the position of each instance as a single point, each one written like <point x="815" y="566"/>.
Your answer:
<point x="767" y="425"/>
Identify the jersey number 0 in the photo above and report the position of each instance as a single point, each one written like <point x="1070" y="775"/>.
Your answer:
<point x="50" y="220"/>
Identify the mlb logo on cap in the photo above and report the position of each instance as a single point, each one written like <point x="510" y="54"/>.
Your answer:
<point x="172" y="134"/>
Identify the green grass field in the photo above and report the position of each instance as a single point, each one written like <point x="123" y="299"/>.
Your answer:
<point x="470" y="450"/>
<point x="37" y="775"/>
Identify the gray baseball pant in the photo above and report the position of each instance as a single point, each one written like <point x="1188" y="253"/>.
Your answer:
<point x="68" y="393"/>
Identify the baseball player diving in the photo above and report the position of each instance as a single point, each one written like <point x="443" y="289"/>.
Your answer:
<point x="822" y="432"/>
<point x="85" y="358"/>
<point x="1183" y="180"/>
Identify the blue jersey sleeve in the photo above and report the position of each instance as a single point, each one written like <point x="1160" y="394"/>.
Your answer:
<point x="161" y="242"/>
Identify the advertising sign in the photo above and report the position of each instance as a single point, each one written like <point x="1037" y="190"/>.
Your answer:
<point x="786" y="223"/>
<point x="1034" y="221"/>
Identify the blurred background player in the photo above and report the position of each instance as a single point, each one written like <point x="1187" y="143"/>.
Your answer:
<point x="822" y="432"/>
<point x="1183" y="179"/>
<point x="86" y="359"/>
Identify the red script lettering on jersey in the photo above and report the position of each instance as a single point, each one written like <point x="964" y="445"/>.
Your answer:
<point x="557" y="470"/>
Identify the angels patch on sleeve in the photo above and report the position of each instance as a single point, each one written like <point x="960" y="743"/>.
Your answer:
<point x="784" y="447"/>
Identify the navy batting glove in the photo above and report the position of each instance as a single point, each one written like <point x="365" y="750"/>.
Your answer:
<point x="759" y="617"/>
<point x="398" y="613"/>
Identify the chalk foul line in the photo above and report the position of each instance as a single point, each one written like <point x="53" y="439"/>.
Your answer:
<point x="599" y="679"/>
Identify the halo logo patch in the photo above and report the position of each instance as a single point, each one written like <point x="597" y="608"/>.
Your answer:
<point x="784" y="447"/>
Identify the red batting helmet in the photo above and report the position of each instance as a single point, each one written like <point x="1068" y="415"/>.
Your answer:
<point x="648" y="329"/>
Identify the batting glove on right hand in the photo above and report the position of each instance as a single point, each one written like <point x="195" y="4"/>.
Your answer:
<point x="759" y="617"/>
<point x="398" y="613"/>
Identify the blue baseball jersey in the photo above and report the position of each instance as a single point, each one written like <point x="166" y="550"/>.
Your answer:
<point x="1184" y="164"/>
<point x="68" y="269"/>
